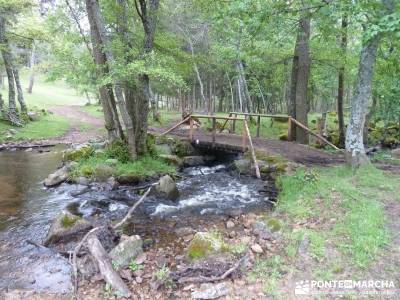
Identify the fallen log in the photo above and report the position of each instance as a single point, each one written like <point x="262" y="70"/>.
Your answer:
<point x="106" y="269"/>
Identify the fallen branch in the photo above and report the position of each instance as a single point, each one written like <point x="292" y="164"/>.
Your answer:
<point x="131" y="210"/>
<point x="203" y="279"/>
<point x="105" y="266"/>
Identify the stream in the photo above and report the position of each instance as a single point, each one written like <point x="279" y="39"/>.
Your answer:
<point x="27" y="209"/>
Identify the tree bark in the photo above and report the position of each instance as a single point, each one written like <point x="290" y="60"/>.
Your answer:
<point x="32" y="69"/>
<point x="343" y="45"/>
<point x="19" y="91"/>
<point x="303" y="71"/>
<point x="355" y="152"/>
<point x="107" y="101"/>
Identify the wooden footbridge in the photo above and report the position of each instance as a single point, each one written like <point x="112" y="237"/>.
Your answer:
<point x="232" y="142"/>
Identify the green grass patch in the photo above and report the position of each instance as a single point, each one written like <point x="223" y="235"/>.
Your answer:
<point x="49" y="126"/>
<point x="384" y="156"/>
<point x="339" y="193"/>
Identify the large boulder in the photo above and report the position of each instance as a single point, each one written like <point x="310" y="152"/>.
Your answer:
<point x="172" y="159"/>
<point x="243" y="166"/>
<point x="57" y="177"/>
<point x="166" y="186"/>
<point x="33" y="116"/>
<point x="128" y="248"/>
<point x="183" y="148"/>
<point x="163" y="149"/>
<point x="128" y="179"/>
<point x="193" y="161"/>
<point x="65" y="227"/>
<point x="396" y="153"/>
<point x="103" y="171"/>
<point x="204" y="243"/>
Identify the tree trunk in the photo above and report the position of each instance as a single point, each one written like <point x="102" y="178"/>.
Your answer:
<point x="343" y="46"/>
<point x="32" y="69"/>
<point x="303" y="71"/>
<point x="20" y="92"/>
<point x="291" y="105"/>
<point x="355" y="152"/>
<point x="2" y="113"/>
<point x="112" y="124"/>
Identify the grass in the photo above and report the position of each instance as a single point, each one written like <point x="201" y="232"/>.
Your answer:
<point x="384" y="156"/>
<point x="338" y="193"/>
<point x="45" y="95"/>
<point x="141" y="168"/>
<point x="48" y="126"/>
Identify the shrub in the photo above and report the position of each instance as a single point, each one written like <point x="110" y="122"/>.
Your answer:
<point x="118" y="150"/>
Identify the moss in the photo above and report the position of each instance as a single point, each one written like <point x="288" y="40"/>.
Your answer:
<point x="102" y="172"/>
<point x="78" y="154"/>
<point x="274" y="224"/>
<point x="118" y="150"/>
<point x="283" y="137"/>
<point x="204" y="243"/>
<point x="69" y="220"/>
<point x="182" y="148"/>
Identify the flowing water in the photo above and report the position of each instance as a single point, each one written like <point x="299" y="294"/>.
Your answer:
<point x="27" y="209"/>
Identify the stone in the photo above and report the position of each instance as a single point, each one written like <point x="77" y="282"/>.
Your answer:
<point x="193" y="161"/>
<point x="183" y="148"/>
<point x="57" y="177"/>
<point x="12" y="131"/>
<point x="172" y="159"/>
<point x="111" y="162"/>
<point x="183" y="231"/>
<point x="261" y="230"/>
<point x="230" y="224"/>
<point x="256" y="248"/>
<point x="211" y="291"/>
<point x="396" y="153"/>
<point x="103" y="171"/>
<point x="33" y="116"/>
<point x="65" y="227"/>
<point x="166" y="186"/>
<point x="112" y="184"/>
<point x="243" y="166"/>
<point x="128" y="179"/>
<point x="77" y="153"/>
<point x="204" y="243"/>
<point x="82" y="180"/>
<point x="128" y="248"/>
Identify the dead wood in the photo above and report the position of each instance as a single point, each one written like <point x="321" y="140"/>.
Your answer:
<point x="106" y="269"/>
<point x="204" y="279"/>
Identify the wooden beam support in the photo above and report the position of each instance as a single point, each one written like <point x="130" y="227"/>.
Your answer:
<point x="191" y="129"/>
<point x="289" y="130"/>
<point x="314" y="134"/>
<point x="258" y="125"/>
<point x="253" y="154"/>
<point x="234" y="124"/>
<point x="223" y="126"/>
<point x="214" y="129"/>
<point x="176" y="125"/>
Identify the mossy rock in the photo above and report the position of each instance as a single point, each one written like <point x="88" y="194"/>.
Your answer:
<point x="183" y="148"/>
<point x="68" y="220"/>
<point x="78" y="154"/>
<point x="204" y="243"/>
<point x="274" y="224"/>
<point x="102" y="172"/>
<point x="390" y="142"/>
<point x="281" y="166"/>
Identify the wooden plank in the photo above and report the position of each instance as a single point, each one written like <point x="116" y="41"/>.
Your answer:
<point x="253" y="154"/>
<point x="258" y="125"/>
<point x="217" y="117"/>
<point x="234" y="124"/>
<point x="261" y="115"/>
<point x="176" y="125"/>
<point x="314" y="134"/>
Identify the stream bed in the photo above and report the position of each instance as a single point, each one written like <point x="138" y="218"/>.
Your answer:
<point x="27" y="209"/>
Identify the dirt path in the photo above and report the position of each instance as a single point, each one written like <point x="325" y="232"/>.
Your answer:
<point x="83" y="126"/>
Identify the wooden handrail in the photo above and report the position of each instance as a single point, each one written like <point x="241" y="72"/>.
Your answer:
<point x="260" y="115"/>
<point x="176" y="125"/>
<point x="314" y="134"/>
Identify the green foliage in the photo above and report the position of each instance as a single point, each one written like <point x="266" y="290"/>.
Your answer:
<point x="133" y="266"/>
<point x="163" y="275"/>
<point x="118" y="150"/>
<point x="68" y="221"/>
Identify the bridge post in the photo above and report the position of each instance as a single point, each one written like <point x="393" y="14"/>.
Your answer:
<point x="214" y="123"/>
<point x="191" y="129"/>
<point x="258" y="125"/>
<point x="289" y="131"/>
<point x="244" y="135"/>
<point x="234" y="124"/>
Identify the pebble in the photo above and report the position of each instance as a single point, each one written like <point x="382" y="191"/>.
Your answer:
<point x="256" y="248"/>
<point x="230" y="224"/>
